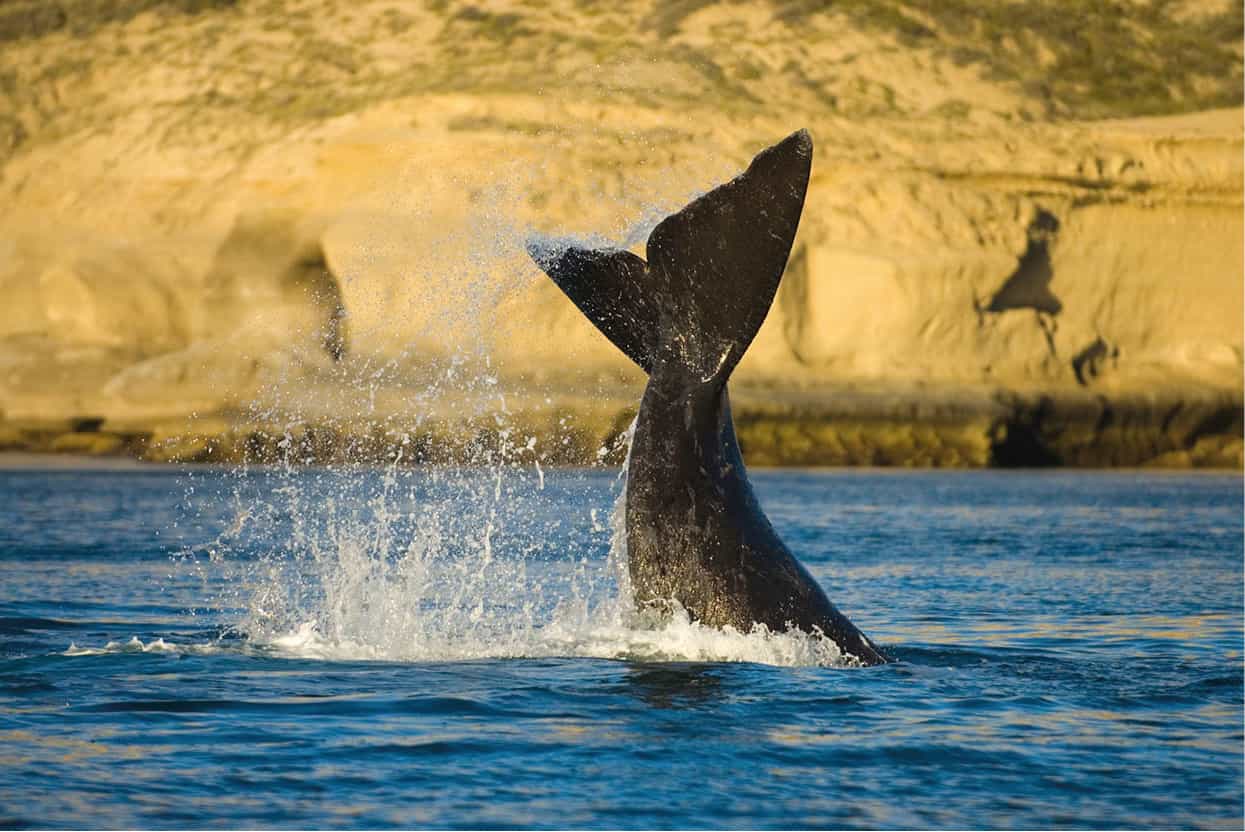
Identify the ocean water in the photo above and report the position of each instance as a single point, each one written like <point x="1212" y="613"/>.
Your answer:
<point x="455" y="648"/>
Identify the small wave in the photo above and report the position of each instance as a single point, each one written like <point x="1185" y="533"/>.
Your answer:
<point x="137" y="645"/>
<point x="17" y="625"/>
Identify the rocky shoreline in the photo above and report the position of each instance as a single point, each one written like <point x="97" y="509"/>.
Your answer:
<point x="1004" y="430"/>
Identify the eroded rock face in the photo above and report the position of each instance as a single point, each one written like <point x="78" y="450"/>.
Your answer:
<point x="194" y="255"/>
<point x="273" y="283"/>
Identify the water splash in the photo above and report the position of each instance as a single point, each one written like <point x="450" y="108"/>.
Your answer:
<point x="478" y="556"/>
<point x="413" y="564"/>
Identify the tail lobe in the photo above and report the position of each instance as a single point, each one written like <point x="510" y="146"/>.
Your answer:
<point x="611" y="288"/>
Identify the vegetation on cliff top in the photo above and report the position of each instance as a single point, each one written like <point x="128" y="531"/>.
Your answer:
<point x="1083" y="59"/>
<point x="71" y="65"/>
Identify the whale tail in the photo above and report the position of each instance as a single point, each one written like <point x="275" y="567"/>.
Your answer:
<point x="711" y="273"/>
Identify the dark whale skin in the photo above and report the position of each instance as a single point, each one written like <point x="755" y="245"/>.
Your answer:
<point x="696" y="532"/>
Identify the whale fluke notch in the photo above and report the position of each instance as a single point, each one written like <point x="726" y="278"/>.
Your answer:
<point x="712" y="271"/>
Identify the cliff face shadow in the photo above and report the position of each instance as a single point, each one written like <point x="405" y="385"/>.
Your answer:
<point x="312" y="278"/>
<point x="1090" y="362"/>
<point x="1028" y="287"/>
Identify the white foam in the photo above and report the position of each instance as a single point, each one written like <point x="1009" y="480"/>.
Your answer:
<point x="678" y="640"/>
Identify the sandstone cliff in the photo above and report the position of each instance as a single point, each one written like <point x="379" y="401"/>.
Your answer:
<point x="222" y="225"/>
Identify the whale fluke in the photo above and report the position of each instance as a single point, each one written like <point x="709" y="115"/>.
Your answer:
<point x="712" y="269"/>
<point x="696" y="535"/>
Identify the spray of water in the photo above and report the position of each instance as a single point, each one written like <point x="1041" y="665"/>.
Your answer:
<point x="486" y="554"/>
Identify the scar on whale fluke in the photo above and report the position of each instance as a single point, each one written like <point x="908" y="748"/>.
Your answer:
<point x="695" y="531"/>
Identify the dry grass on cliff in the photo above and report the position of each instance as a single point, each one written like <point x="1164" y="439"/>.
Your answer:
<point x="1081" y="59"/>
<point x="201" y="65"/>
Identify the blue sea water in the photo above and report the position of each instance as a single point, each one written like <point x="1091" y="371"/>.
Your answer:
<point x="425" y="648"/>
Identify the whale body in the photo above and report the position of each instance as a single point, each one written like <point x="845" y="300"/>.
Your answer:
<point x="695" y="532"/>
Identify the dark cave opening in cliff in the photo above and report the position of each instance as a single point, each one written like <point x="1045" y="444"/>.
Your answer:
<point x="313" y="275"/>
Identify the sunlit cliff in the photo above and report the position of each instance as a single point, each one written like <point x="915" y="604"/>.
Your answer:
<point x="226" y="223"/>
